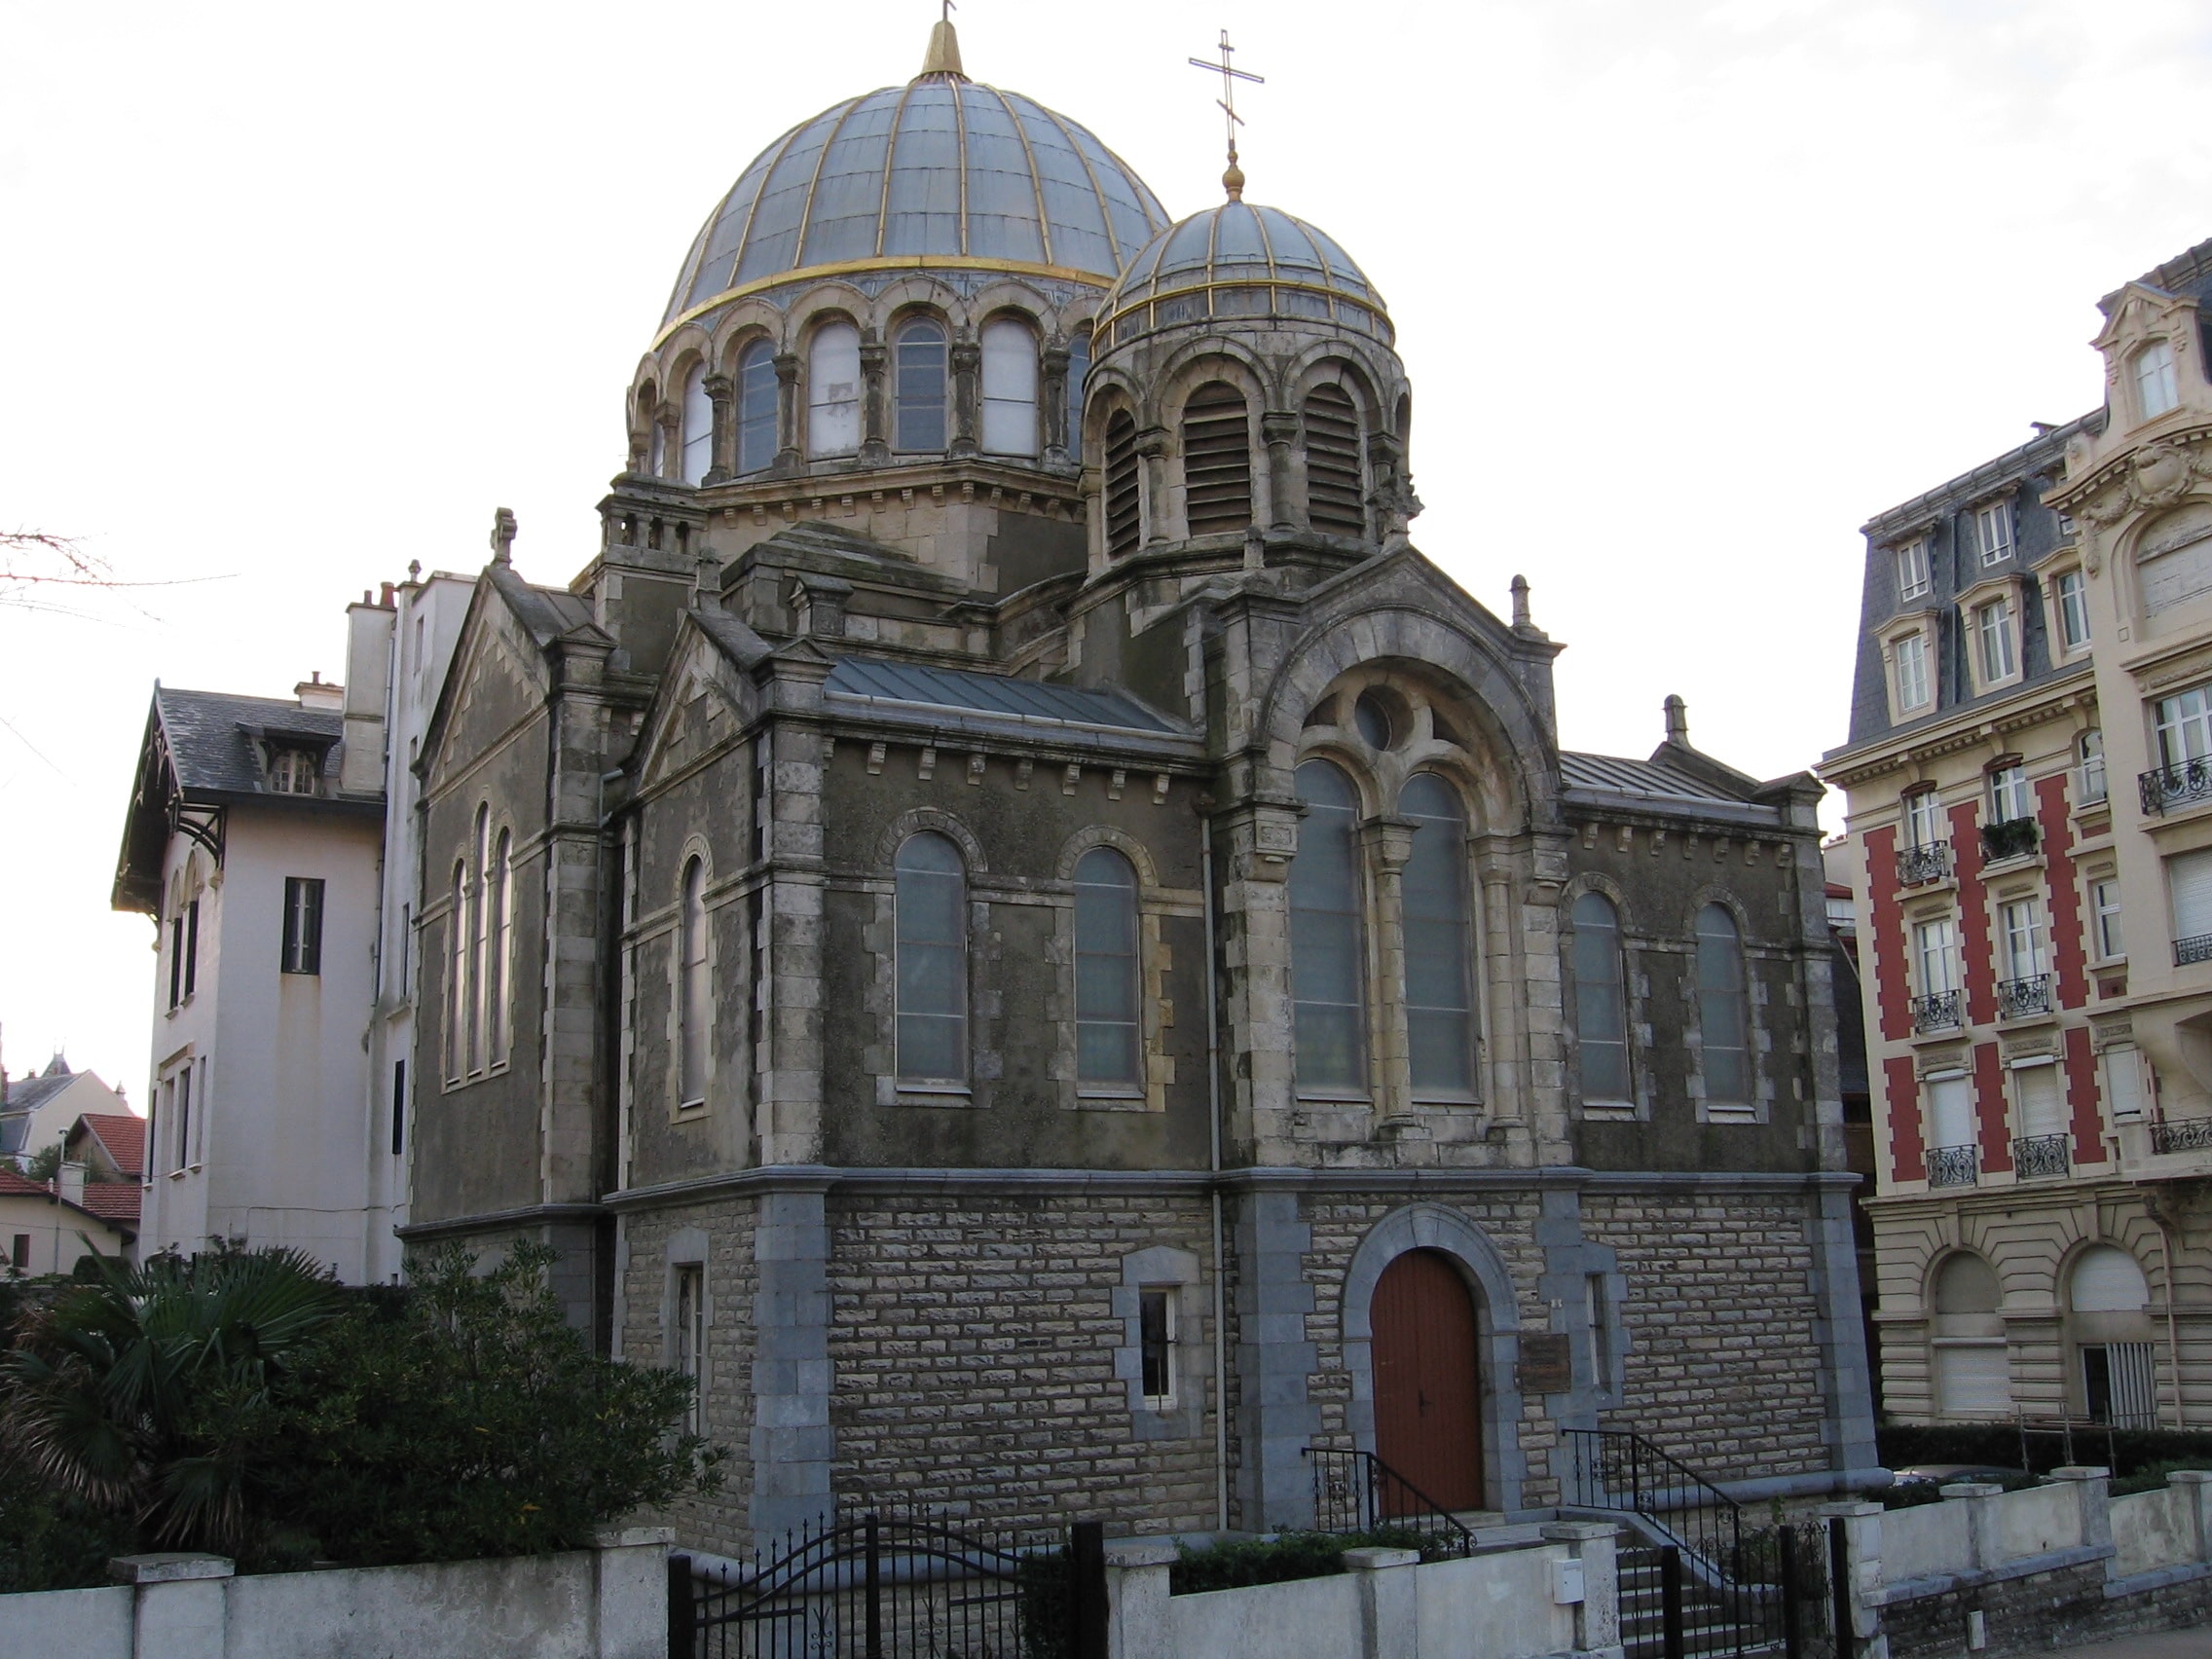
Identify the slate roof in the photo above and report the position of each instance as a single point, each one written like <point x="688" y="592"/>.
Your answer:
<point x="1029" y="702"/>
<point x="547" y="613"/>
<point x="123" y="1135"/>
<point x="209" y="742"/>
<point x="28" y="1093"/>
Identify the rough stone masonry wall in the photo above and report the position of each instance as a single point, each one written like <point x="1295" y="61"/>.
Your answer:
<point x="973" y="1343"/>
<point x="1722" y="1368"/>
<point x="2039" y="1611"/>
<point x="718" y="1519"/>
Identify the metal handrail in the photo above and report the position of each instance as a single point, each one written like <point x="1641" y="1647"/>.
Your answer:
<point x="1334" y="1462"/>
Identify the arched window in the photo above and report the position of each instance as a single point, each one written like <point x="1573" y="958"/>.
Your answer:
<point x="1328" y="976"/>
<point x="919" y="392"/>
<point x="1971" y="1376"/>
<point x="932" y="903"/>
<point x="501" y="991"/>
<point x="1217" y="460"/>
<point x="2111" y="1329"/>
<point x="479" y="936"/>
<point x="694" y="1005"/>
<point x="757" y="408"/>
<point x="1600" y="1000"/>
<point x="1106" y="1037"/>
<point x="1123" y="527"/>
<point x="834" y="391"/>
<point x="698" y="426"/>
<point x="1720" y="1008"/>
<point x="1079" y="371"/>
<point x="2156" y="388"/>
<point x="456" y="975"/>
<point x="1010" y="388"/>
<point x="1335" y="497"/>
<point x="1440" y="1009"/>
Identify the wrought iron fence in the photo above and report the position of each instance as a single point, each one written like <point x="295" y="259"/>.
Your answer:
<point x="2181" y="1135"/>
<point x="2195" y="948"/>
<point x="1954" y="1166"/>
<point x="2164" y="786"/>
<point x="2035" y="1156"/>
<point x="2019" y="998"/>
<point x="1938" y="1011"/>
<point x="897" y="1583"/>
<point x="2012" y="838"/>
<point x="1919" y="865"/>
<point x="1356" y="1491"/>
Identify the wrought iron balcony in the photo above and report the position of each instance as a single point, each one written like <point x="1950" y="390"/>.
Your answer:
<point x="2182" y="1135"/>
<point x="1939" y="1012"/>
<point x="1954" y="1166"/>
<point x="2196" y="948"/>
<point x="2178" y="784"/>
<point x="2036" y="1156"/>
<point x="2016" y="999"/>
<point x="2013" y="839"/>
<point x="1919" y="865"/>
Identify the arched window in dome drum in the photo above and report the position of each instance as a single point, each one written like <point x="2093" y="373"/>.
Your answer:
<point x="1123" y="529"/>
<point x="1440" y="1014"/>
<point x="919" y="394"/>
<point x="757" y="408"/>
<point x="1010" y="388"/>
<point x="1079" y="370"/>
<point x="1217" y="460"/>
<point x="698" y="426"/>
<point x="834" y="391"/>
<point x="1328" y="970"/>
<point x="1335" y="498"/>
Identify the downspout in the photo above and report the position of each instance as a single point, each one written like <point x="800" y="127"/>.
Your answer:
<point x="2173" y="1339"/>
<point x="1213" y="1165"/>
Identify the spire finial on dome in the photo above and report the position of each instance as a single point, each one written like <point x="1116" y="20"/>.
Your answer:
<point x="1233" y="180"/>
<point x="943" y="55"/>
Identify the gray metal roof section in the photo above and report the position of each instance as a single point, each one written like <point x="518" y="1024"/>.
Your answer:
<point x="209" y="745"/>
<point x="1613" y="774"/>
<point x="914" y="686"/>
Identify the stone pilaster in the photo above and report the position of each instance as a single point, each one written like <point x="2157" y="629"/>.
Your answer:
<point x="789" y="1119"/>
<point x="1387" y="843"/>
<point x="875" y="446"/>
<point x="1278" y="430"/>
<point x="792" y="1444"/>
<point x="1846" y="1386"/>
<point x="789" y="455"/>
<point x="1152" y="486"/>
<point x="967" y="359"/>
<point x="1255" y="845"/>
<point x="1275" y="1361"/>
<point x="723" y="462"/>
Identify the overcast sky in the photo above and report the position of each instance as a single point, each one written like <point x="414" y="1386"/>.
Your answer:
<point x="293" y="295"/>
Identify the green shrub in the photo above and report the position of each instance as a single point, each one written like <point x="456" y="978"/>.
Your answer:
<point x="1235" y="1562"/>
<point x="1906" y="1446"/>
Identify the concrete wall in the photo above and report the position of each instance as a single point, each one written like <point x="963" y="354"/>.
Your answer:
<point x="53" y="1228"/>
<point x="605" y="1603"/>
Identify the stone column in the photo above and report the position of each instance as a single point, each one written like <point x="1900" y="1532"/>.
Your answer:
<point x="967" y="358"/>
<point x="723" y="462"/>
<point x="179" y="1607"/>
<point x="629" y="1576"/>
<point x="1389" y="1607"/>
<point x="2092" y="1495"/>
<point x="792" y="1444"/>
<point x="1278" y="430"/>
<point x="1055" y="392"/>
<point x="1258" y="841"/>
<point x="1094" y="487"/>
<point x="1598" y="1615"/>
<point x="1863" y="1546"/>
<point x="1389" y="842"/>
<point x="1505" y="1090"/>
<point x="1140" y="1621"/>
<point x="1275" y="1419"/>
<point x="1152" y="486"/>
<point x="789" y="451"/>
<point x="1846" y="1385"/>
<point x="671" y="416"/>
<point x="875" y="449"/>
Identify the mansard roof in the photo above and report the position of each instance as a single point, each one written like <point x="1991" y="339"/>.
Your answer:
<point x="211" y="737"/>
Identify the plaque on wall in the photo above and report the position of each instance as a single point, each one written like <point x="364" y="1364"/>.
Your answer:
<point x="1547" y="1365"/>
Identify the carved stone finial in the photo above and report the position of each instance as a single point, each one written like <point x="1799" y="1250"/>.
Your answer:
<point x="503" y="537"/>
<point x="1521" y="603"/>
<point x="413" y="570"/>
<point x="1678" y="721"/>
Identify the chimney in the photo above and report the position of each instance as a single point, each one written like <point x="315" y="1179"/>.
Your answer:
<point x="72" y="1184"/>
<point x="313" y="694"/>
<point x="1678" y="721"/>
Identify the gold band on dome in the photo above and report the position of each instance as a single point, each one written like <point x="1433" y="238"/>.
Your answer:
<point x="891" y="262"/>
<point x="1103" y="329"/>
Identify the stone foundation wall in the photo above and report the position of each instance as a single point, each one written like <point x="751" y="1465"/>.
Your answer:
<point x="2040" y="1611"/>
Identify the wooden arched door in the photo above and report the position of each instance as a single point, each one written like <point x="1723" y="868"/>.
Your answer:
<point x="1428" y="1383"/>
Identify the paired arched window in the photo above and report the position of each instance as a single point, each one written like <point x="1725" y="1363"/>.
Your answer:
<point x="756" y="407"/>
<point x="918" y="394"/>
<point x="1440" y="1008"/>
<point x="1721" y="1013"/>
<point x="1010" y="388"/>
<point x="1217" y="460"/>
<point x="1079" y="371"/>
<point x="1335" y="497"/>
<point x="1124" y="528"/>
<point x="1327" y="966"/>
<point x="698" y="454"/>
<point x="1106" y="1030"/>
<point x="834" y="391"/>
<point x="482" y="931"/>
<point x="694" y="1002"/>
<point x="1600" y="1001"/>
<point x="931" y="900"/>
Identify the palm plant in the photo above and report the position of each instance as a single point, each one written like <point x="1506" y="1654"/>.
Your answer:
<point x="143" y="1392"/>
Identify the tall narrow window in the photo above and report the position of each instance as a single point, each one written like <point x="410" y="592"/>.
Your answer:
<point x="499" y="975"/>
<point x="456" y="975"/>
<point x="834" y="391"/>
<point x="1936" y="953"/>
<point x="191" y="946"/>
<point x="932" y="903"/>
<point x="1155" y="1332"/>
<point x="1923" y="819"/>
<point x="2089" y="749"/>
<point x="757" y="395"/>
<point x="698" y="426"/>
<point x="1993" y="637"/>
<point x="2185" y="726"/>
<point x="398" y="1107"/>
<point x="176" y="959"/>
<point x="184" y="1117"/>
<point x="1600" y="1003"/>
<point x="1010" y="388"/>
<point x="693" y="1002"/>
<point x="1720" y="1011"/>
<point x="648" y="415"/>
<point x="2104" y="919"/>
<point x="2009" y="797"/>
<point x="479" y="935"/>
<point x="1217" y="460"/>
<point x="1993" y="531"/>
<point x="690" y="1335"/>
<point x="1079" y="371"/>
<point x="303" y="925"/>
<point x="2023" y="939"/>
<point x="1124" y="530"/>
<point x="2073" y="596"/>
<point x="1440" y="1007"/>
<point x="1971" y="1377"/>
<point x="919" y="393"/>
<point x="2156" y="391"/>
<point x="1596" y="1308"/>
<point x="1912" y="671"/>
<point x="1335" y="497"/>
<point x="1106" y="1033"/>
<point x="1912" y="570"/>
<point x="1327" y="962"/>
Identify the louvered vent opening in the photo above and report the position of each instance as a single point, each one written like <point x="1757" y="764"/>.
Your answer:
<point x="1121" y="485"/>
<point x="1217" y="460"/>
<point x="1333" y="494"/>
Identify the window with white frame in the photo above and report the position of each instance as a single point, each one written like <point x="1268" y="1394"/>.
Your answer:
<point x="2104" y="918"/>
<point x="2123" y="1080"/>
<point x="1993" y="642"/>
<point x="1950" y="1111"/>
<point x="2185" y="726"/>
<point x="2070" y="592"/>
<point x="2156" y="390"/>
<point x="698" y="452"/>
<point x="1935" y="954"/>
<point x="293" y="771"/>
<point x="2089" y="755"/>
<point x="2021" y="925"/>
<point x="1723" y="1023"/>
<point x="931" y="899"/>
<point x="2189" y="882"/>
<point x="1993" y="531"/>
<point x="1601" y="1002"/>
<point x="1157" y="1313"/>
<point x="1327" y="959"/>
<point x="834" y="391"/>
<point x="1010" y="388"/>
<point x="303" y="925"/>
<point x="1107" y="1040"/>
<point x="2037" y="1098"/>
<point x="1924" y="824"/>
<point x="1912" y="570"/>
<point x="1911" y="656"/>
<point x="2009" y="797"/>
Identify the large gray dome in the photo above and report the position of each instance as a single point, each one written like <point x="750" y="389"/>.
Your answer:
<point x="1244" y="262"/>
<point x="942" y="172"/>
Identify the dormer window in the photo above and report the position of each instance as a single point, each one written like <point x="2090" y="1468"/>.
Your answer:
<point x="293" y="771"/>
<point x="1912" y="570"/>
<point x="2156" y="387"/>
<point x="1993" y="642"/>
<point x="1993" y="531"/>
<point x="2072" y="596"/>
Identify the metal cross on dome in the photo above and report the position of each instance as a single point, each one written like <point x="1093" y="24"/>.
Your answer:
<point x="1230" y="75"/>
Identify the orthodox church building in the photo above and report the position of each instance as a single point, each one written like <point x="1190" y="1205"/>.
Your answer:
<point x="1011" y="922"/>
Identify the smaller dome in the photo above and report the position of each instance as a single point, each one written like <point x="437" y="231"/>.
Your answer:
<point x="1245" y="263"/>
